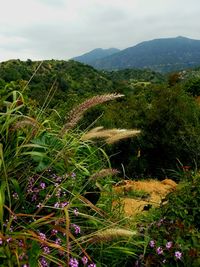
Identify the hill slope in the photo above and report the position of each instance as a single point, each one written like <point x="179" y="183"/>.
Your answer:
<point x="96" y="54"/>
<point x="163" y="55"/>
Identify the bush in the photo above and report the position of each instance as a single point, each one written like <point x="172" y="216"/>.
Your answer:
<point x="46" y="173"/>
<point x="172" y="232"/>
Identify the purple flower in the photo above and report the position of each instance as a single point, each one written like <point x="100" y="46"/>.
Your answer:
<point x="56" y="205"/>
<point x="43" y="262"/>
<point x="92" y="265"/>
<point x="1" y="241"/>
<point x="178" y="255"/>
<point x="84" y="260"/>
<point x="152" y="243"/>
<point x="169" y="244"/>
<point x="42" y="236"/>
<point x="73" y="262"/>
<point x="25" y="265"/>
<point x="42" y="185"/>
<point x="34" y="197"/>
<point x="46" y="250"/>
<point x="14" y="217"/>
<point x="76" y="228"/>
<point x="159" y="251"/>
<point x="58" y="241"/>
<point x="8" y="240"/>
<point x="64" y="204"/>
<point x="20" y="243"/>
<point x="73" y="175"/>
<point x="76" y="212"/>
<point x="22" y="256"/>
<point x="36" y="190"/>
<point x="160" y="222"/>
<point x="54" y="232"/>
<point x="39" y="205"/>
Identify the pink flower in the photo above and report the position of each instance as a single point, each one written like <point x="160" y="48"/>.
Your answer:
<point x="73" y="262"/>
<point x="42" y="236"/>
<point x="152" y="243"/>
<point x="169" y="244"/>
<point x="84" y="260"/>
<point x="159" y="251"/>
<point x="42" y="185"/>
<point x="76" y="212"/>
<point x="178" y="255"/>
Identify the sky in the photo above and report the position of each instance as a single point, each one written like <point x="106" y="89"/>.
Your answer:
<point x="62" y="29"/>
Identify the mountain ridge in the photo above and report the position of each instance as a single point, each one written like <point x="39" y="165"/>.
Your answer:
<point x="95" y="54"/>
<point x="161" y="55"/>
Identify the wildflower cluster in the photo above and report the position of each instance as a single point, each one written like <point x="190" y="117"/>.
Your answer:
<point x="52" y="235"/>
<point x="75" y="263"/>
<point x="164" y="250"/>
<point x="168" y="248"/>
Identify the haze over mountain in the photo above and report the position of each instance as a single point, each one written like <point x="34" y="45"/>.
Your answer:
<point x="96" y="54"/>
<point x="162" y="55"/>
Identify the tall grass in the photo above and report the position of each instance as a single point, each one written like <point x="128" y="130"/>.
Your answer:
<point x="46" y="173"/>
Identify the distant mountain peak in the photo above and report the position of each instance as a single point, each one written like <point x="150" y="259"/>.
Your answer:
<point x="182" y="37"/>
<point x="95" y="54"/>
<point x="162" y="55"/>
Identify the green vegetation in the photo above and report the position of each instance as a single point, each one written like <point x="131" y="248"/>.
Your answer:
<point x="58" y="165"/>
<point x="172" y="231"/>
<point x="47" y="173"/>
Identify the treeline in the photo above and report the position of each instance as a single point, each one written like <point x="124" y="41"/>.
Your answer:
<point x="165" y="108"/>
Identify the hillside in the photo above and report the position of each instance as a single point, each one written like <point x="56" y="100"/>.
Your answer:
<point x="95" y="54"/>
<point x="58" y="86"/>
<point x="139" y="75"/>
<point x="59" y="187"/>
<point x="68" y="81"/>
<point x="162" y="55"/>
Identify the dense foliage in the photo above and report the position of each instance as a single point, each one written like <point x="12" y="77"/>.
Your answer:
<point x="166" y="112"/>
<point x="51" y="209"/>
<point x="172" y="231"/>
<point x="47" y="179"/>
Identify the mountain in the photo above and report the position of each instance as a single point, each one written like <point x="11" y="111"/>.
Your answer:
<point x="95" y="54"/>
<point x="162" y="55"/>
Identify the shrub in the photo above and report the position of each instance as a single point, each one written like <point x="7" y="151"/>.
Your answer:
<point x="172" y="232"/>
<point x="46" y="173"/>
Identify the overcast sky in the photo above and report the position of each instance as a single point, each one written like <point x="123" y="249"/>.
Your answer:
<point x="61" y="29"/>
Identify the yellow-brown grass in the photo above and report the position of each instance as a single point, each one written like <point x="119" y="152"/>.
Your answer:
<point x="110" y="135"/>
<point x="103" y="173"/>
<point x="113" y="233"/>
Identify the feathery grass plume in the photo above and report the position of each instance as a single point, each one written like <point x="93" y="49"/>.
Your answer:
<point x="110" y="135"/>
<point x="77" y="113"/>
<point x="110" y="234"/>
<point x="99" y="132"/>
<point x="103" y="173"/>
<point x="26" y="122"/>
<point x="122" y="135"/>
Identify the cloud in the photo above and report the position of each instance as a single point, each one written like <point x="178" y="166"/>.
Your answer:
<point x="61" y="29"/>
<point x="55" y="3"/>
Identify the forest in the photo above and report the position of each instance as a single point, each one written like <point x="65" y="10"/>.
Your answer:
<point x="69" y="135"/>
